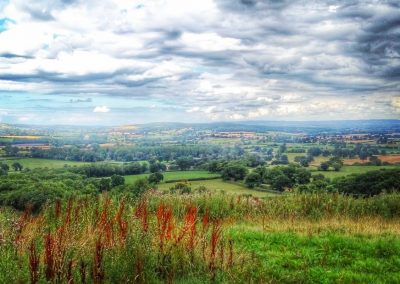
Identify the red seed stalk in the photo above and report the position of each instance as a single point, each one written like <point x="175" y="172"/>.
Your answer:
<point x="70" y="279"/>
<point x="238" y="199"/>
<point x="49" y="251"/>
<point x="215" y="235"/>
<point x="104" y="224"/>
<point x="98" y="272"/>
<point x="122" y="224"/>
<point x="165" y="224"/>
<point x="222" y="253"/>
<point x="139" y="267"/>
<point x="108" y="232"/>
<point x="231" y="204"/>
<point x="230" y="257"/>
<point x="77" y="213"/>
<point x="82" y="271"/>
<point x="205" y="222"/>
<point x="142" y="214"/>
<point x="57" y="209"/>
<point x="21" y="223"/>
<point x="189" y="225"/>
<point x="190" y="220"/>
<point x="67" y="220"/>
<point x="33" y="264"/>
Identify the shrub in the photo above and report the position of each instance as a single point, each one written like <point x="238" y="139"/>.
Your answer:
<point x="252" y="180"/>
<point x="181" y="188"/>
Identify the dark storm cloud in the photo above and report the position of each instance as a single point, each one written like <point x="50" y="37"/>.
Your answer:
<point x="377" y="42"/>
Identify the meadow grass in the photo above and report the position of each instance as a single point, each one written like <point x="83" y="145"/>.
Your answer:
<point x="177" y="175"/>
<point x="316" y="162"/>
<point x="100" y="240"/>
<point x="33" y="163"/>
<point x="219" y="185"/>
<point x="347" y="170"/>
<point x="287" y="257"/>
<point x="203" y="238"/>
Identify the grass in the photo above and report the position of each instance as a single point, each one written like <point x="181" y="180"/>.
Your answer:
<point x="218" y="185"/>
<point x="178" y="175"/>
<point x="347" y="170"/>
<point x="33" y="163"/>
<point x="287" y="257"/>
<point x="204" y="238"/>
<point x="316" y="162"/>
<point x="100" y="240"/>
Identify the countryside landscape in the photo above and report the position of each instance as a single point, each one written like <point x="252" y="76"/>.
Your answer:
<point x="201" y="203"/>
<point x="212" y="141"/>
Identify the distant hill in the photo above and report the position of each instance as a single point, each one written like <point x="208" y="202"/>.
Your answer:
<point x="309" y="127"/>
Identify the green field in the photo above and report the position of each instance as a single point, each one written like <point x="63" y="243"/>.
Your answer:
<point x="317" y="160"/>
<point x="288" y="257"/>
<point x="33" y="163"/>
<point x="220" y="185"/>
<point x="346" y="170"/>
<point x="178" y="175"/>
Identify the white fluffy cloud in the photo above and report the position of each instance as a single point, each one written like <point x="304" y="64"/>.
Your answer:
<point x="209" y="59"/>
<point x="101" y="109"/>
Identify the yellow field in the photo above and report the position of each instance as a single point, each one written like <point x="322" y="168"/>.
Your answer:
<point x="22" y="136"/>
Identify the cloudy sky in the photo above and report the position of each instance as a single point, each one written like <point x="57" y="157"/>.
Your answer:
<point x="130" y="61"/>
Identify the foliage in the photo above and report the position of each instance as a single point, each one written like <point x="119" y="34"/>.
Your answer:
<point x="156" y="178"/>
<point x="139" y="187"/>
<point x="117" y="180"/>
<point x="324" y="166"/>
<point x="283" y="177"/>
<point x="108" y="169"/>
<point x="253" y="179"/>
<point x="100" y="240"/>
<point x="370" y="183"/>
<point x="184" y="163"/>
<point x="181" y="188"/>
<point x="234" y="171"/>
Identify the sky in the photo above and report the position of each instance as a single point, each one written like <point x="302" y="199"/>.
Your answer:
<point x="112" y="62"/>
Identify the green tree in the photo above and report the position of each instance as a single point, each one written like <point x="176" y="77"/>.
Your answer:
<point x="214" y="167"/>
<point x="181" y="188"/>
<point x="17" y="166"/>
<point x="157" y="167"/>
<point x="324" y="166"/>
<point x="336" y="166"/>
<point x="11" y="151"/>
<point x="302" y="176"/>
<point x="139" y="187"/>
<point x="105" y="184"/>
<point x="252" y="180"/>
<point x="4" y="167"/>
<point x="234" y="172"/>
<point x="117" y="180"/>
<point x="155" y="178"/>
<point x="262" y="171"/>
<point x="280" y="182"/>
<point x="282" y="148"/>
<point x="375" y="161"/>
<point x="314" y="151"/>
<point x="184" y="163"/>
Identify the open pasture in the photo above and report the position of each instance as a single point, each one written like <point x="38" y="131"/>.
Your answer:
<point x="347" y="170"/>
<point x="178" y="175"/>
<point x="218" y="185"/>
<point x="33" y="163"/>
